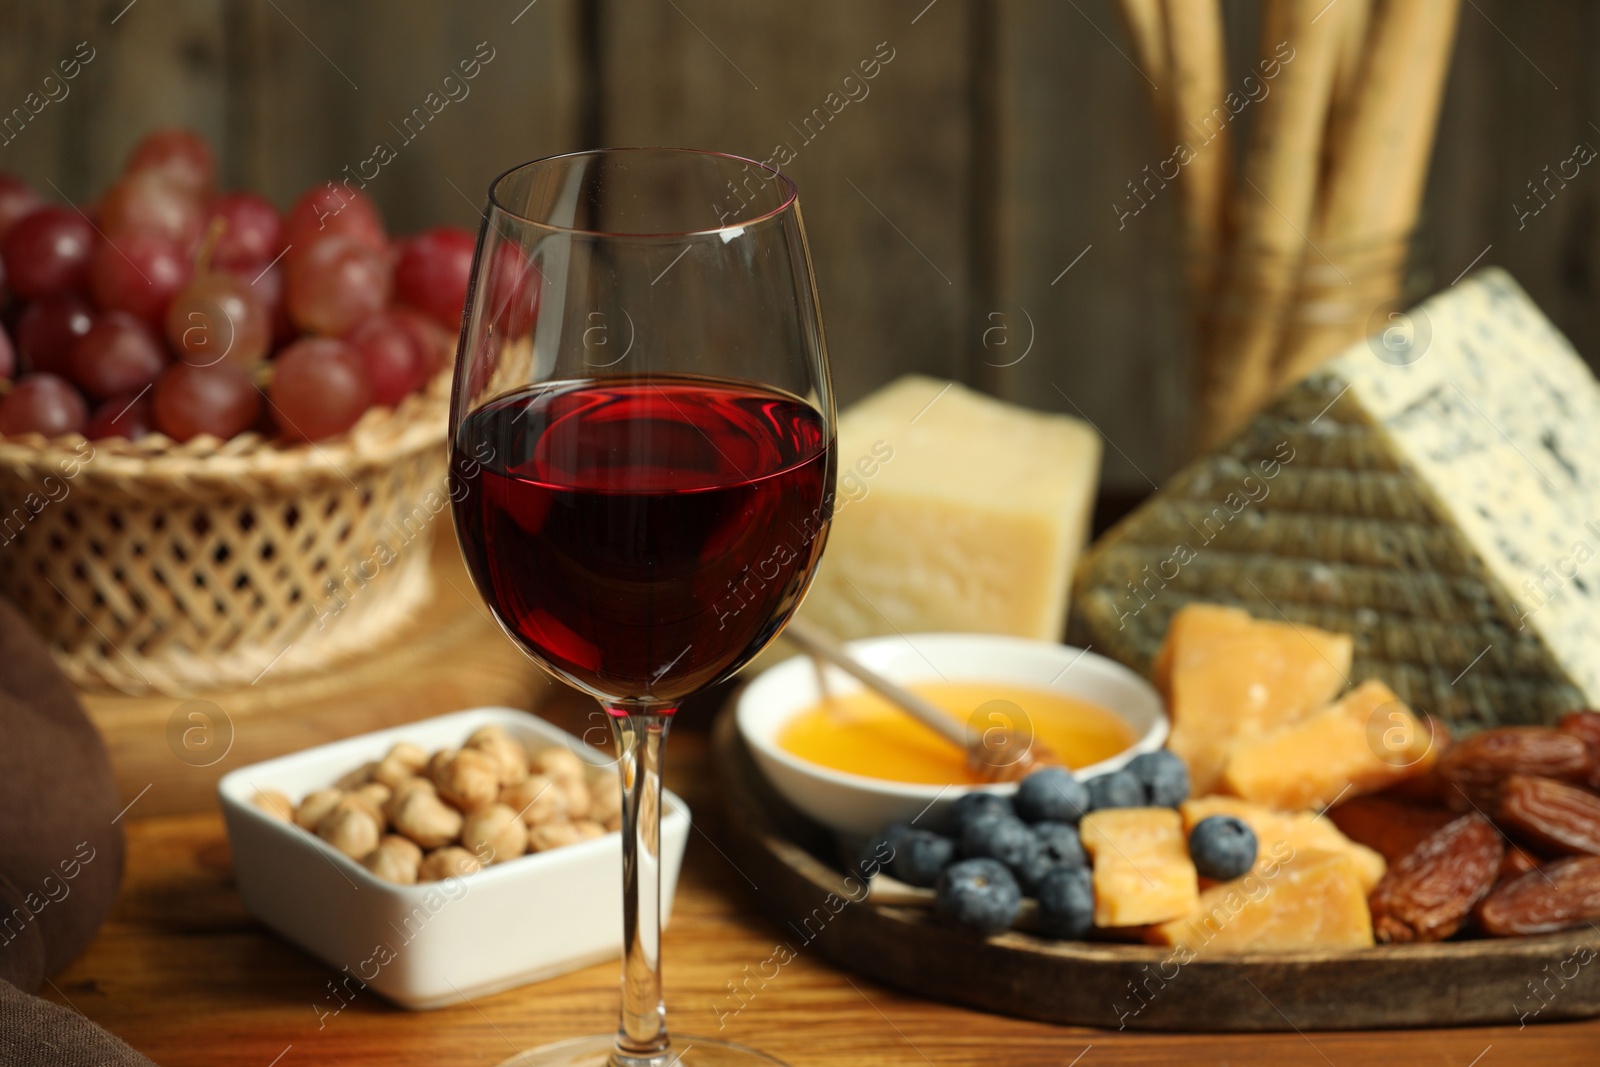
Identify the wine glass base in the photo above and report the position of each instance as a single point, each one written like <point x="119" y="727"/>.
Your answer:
<point x="597" y="1051"/>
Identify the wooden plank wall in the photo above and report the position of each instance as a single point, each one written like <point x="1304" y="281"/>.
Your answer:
<point x="960" y="201"/>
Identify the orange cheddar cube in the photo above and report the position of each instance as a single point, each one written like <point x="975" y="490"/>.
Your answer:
<point x="1228" y="676"/>
<point x="1313" y="901"/>
<point x="1142" y="870"/>
<point x="1280" y="835"/>
<point x="1367" y="741"/>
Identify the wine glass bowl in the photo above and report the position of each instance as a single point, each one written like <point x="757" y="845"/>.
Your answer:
<point x="642" y="468"/>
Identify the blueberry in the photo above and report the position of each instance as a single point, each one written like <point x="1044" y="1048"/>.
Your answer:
<point x="1066" y="903"/>
<point x="979" y="893"/>
<point x="1053" y="794"/>
<point x="977" y="805"/>
<point x="878" y="852"/>
<point x="1000" y="837"/>
<point x="1058" y="847"/>
<point x="920" y="855"/>
<point x="1165" y="777"/>
<point x="1222" y="847"/>
<point x="1119" y="789"/>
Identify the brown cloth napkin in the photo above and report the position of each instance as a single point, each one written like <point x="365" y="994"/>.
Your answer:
<point x="60" y="853"/>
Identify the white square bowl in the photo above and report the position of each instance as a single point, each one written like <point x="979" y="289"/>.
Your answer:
<point x="437" y="943"/>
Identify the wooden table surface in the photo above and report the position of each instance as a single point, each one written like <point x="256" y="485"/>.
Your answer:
<point x="184" y="974"/>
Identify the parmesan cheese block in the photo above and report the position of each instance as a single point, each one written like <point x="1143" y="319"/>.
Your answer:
<point x="1281" y="834"/>
<point x="1434" y="492"/>
<point x="954" y="511"/>
<point x="1314" y="900"/>
<point x="1142" y="870"/>
<point x="1367" y="741"/>
<point x="1229" y="678"/>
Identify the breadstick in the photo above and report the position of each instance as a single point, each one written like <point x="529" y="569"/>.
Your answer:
<point x="1379" y="163"/>
<point x="1275" y="208"/>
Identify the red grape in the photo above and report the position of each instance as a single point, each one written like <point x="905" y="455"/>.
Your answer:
<point x="48" y="252"/>
<point x="139" y="273"/>
<point x="49" y="329"/>
<point x="17" y="199"/>
<point x="329" y="209"/>
<point x="390" y="352"/>
<point x="436" y="347"/>
<point x="433" y="272"/>
<point x="127" y="415"/>
<point x="219" y="317"/>
<point x="268" y="286"/>
<point x="148" y="201"/>
<point x="181" y="155"/>
<point x="252" y="233"/>
<point x="8" y="357"/>
<point x="219" y="400"/>
<point x="319" y="389"/>
<point x="119" y="354"/>
<point x="514" y="285"/>
<point x="334" y="283"/>
<point x="43" y="404"/>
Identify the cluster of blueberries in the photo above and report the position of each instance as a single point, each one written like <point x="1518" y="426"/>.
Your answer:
<point x="997" y="850"/>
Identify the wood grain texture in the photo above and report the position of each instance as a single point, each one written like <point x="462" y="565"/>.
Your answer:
<point x="169" y="753"/>
<point x="185" y="975"/>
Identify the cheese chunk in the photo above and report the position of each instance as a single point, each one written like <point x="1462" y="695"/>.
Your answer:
<point x="1313" y="901"/>
<point x="1367" y="741"/>
<point x="1282" y="834"/>
<point x="1142" y="870"/>
<point x="955" y="512"/>
<point x="1228" y="677"/>
<point x="1434" y="491"/>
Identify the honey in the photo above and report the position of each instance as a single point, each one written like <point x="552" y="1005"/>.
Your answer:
<point x="862" y="733"/>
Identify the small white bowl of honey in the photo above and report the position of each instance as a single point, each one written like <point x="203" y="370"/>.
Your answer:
<point x="854" y="762"/>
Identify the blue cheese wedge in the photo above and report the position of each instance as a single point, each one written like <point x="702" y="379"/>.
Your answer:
<point x="1434" y="492"/>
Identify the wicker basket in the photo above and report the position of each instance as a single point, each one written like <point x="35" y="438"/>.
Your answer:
<point x="153" y="566"/>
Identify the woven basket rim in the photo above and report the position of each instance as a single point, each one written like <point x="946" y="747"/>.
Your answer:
<point x="382" y="436"/>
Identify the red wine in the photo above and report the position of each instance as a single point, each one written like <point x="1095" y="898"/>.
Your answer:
<point x="643" y="538"/>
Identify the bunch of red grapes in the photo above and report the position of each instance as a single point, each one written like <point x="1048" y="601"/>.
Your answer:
<point x="168" y="307"/>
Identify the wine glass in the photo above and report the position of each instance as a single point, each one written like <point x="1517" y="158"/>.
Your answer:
<point x="642" y="468"/>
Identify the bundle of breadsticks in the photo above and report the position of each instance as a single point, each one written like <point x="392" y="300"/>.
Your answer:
<point x="1326" y="192"/>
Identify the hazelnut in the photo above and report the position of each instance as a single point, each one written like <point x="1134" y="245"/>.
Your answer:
<point x="403" y="761"/>
<point x="350" y="829"/>
<point x="274" y="804"/>
<point x="436" y="763"/>
<point x="396" y="859"/>
<point x="537" y="799"/>
<point x="605" y="800"/>
<point x="360" y="776"/>
<point x="469" y="780"/>
<point x="405" y="789"/>
<point x="375" y="793"/>
<point x="507" y="752"/>
<point x="426" y="819"/>
<point x="562" y="764"/>
<point x="316" y="806"/>
<point x="494" y="834"/>
<point x="579" y="802"/>
<point x="442" y="863"/>
<point x="549" y="835"/>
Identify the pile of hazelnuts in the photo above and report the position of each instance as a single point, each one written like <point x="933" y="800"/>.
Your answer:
<point x="411" y="817"/>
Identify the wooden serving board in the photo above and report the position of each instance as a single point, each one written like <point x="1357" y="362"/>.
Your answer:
<point x="1123" y="986"/>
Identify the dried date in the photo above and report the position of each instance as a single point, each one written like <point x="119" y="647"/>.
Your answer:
<point x="1475" y="767"/>
<point x="1558" y="896"/>
<point x="1552" y="815"/>
<point x="1389" y="826"/>
<point x="1585" y="725"/>
<point x="1432" y="890"/>
<point x="1516" y="862"/>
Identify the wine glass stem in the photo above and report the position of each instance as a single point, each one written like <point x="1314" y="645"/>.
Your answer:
<point x="642" y="1030"/>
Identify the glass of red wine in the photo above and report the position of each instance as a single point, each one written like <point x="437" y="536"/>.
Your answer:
<point x="642" y="467"/>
